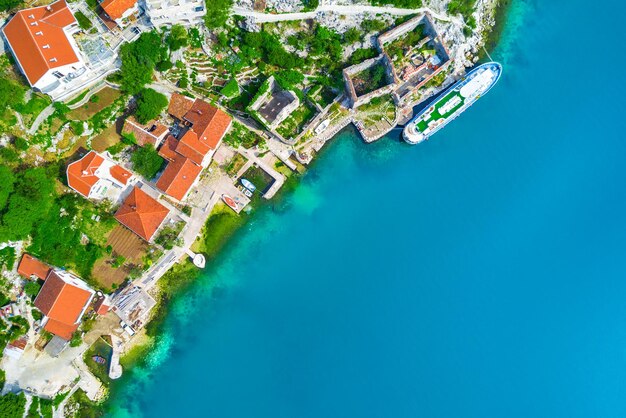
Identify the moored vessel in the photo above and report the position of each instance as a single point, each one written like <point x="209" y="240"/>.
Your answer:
<point x="454" y="101"/>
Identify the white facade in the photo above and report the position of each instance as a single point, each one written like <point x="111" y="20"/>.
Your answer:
<point x="63" y="78"/>
<point x="170" y="12"/>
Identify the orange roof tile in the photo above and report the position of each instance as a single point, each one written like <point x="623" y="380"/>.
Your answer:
<point x="178" y="177"/>
<point x="60" y="329"/>
<point x="179" y="105"/>
<point x="168" y="149"/>
<point x="38" y="41"/>
<point x="101" y="307"/>
<point x="208" y="122"/>
<point x="30" y="266"/>
<point x="189" y="146"/>
<point x="120" y="174"/>
<point x="141" y="214"/>
<point x="151" y="133"/>
<point x="116" y="8"/>
<point x="81" y="174"/>
<point x="63" y="303"/>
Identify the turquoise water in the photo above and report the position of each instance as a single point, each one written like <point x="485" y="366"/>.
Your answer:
<point x="481" y="274"/>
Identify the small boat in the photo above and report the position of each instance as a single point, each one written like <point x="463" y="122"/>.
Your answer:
<point x="229" y="201"/>
<point x="98" y="359"/>
<point x="246" y="183"/>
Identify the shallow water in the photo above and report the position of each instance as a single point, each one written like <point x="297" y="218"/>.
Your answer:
<point x="481" y="274"/>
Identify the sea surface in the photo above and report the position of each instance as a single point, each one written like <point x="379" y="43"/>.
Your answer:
<point x="481" y="274"/>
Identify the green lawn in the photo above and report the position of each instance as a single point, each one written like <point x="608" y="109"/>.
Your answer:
<point x="435" y="115"/>
<point x="259" y="178"/>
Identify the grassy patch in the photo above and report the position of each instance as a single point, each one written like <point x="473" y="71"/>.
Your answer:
<point x="240" y="135"/>
<point x="220" y="226"/>
<point x="295" y="122"/>
<point x="106" y="98"/>
<point x="259" y="178"/>
<point x="235" y="164"/>
<point x="83" y="21"/>
<point x="102" y="349"/>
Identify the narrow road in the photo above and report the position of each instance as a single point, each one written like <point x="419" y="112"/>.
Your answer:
<point x="341" y="10"/>
<point x="40" y="118"/>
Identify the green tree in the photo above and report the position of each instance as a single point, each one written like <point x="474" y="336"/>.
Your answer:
<point x="12" y="405"/>
<point x="32" y="288"/>
<point x="150" y="104"/>
<point x="30" y="201"/>
<point x="217" y="12"/>
<point x="11" y="93"/>
<point x="177" y="38"/>
<point x="139" y="60"/>
<point x="352" y="35"/>
<point x="76" y="339"/>
<point x="147" y="161"/>
<point x="7" y="180"/>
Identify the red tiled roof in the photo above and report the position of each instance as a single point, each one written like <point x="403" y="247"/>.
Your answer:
<point x="189" y="146"/>
<point x="38" y="41"/>
<point x="101" y="307"/>
<point x="208" y="122"/>
<point x="116" y="8"/>
<point x="168" y="149"/>
<point x="62" y="303"/>
<point x="148" y="134"/>
<point x="141" y="214"/>
<point x="81" y="174"/>
<point x="120" y="174"/>
<point x="179" y="105"/>
<point x="30" y="266"/>
<point x="178" y="177"/>
<point x="61" y="329"/>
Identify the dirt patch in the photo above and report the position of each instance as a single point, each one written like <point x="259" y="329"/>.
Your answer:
<point x="125" y="244"/>
<point x="106" y="139"/>
<point x="105" y="98"/>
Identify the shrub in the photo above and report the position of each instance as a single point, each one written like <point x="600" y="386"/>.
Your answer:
<point x="150" y="104"/>
<point x="147" y="161"/>
<point x="32" y="288"/>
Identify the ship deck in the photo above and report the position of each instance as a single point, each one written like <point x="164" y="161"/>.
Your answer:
<point x="440" y="105"/>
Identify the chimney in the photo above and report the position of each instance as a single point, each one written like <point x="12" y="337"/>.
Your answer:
<point x="49" y="8"/>
<point x="53" y="60"/>
<point x="39" y="33"/>
<point x="46" y="46"/>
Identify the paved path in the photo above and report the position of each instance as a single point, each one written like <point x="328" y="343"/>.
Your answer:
<point x="342" y="10"/>
<point x="40" y="118"/>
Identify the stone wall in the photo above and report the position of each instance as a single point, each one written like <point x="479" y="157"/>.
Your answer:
<point x="351" y="71"/>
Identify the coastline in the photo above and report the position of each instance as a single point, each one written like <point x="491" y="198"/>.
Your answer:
<point x="493" y="36"/>
<point x="178" y="279"/>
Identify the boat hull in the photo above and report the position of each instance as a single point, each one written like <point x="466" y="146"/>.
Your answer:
<point x="454" y="101"/>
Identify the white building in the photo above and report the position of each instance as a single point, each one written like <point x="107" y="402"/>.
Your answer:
<point x="120" y="11"/>
<point x="41" y="39"/>
<point x="96" y="177"/>
<point x="170" y="12"/>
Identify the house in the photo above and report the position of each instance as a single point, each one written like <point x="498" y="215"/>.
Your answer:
<point x="200" y="128"/>
<point x="152" y="133"/>
<point x="141" y="214"/>
<point x="63" y="299"/>
<point x="119" y="11"/>
<point x="41" y="40"/>
<point x="170" y="12"/>
<point x="203" y="125"/>
<point x="30" y="267"/>
<point x="96" y="177"/>
<point x="102" y="305"/>
<point x="179" y="177"/>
